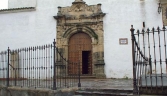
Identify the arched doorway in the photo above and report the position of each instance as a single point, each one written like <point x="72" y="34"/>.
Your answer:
<point x="80" y="54"/>
<point x="88" y="51"/>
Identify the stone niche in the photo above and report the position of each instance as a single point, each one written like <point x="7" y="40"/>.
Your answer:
<point x="80" y="17"/>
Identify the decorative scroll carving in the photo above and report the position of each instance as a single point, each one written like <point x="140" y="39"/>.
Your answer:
<point x="79" y="12"/>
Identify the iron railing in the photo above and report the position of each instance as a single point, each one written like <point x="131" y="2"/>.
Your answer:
<point x="149" y="61"/>
<point x="36" y="67"/>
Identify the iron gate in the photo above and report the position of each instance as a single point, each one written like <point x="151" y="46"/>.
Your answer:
<point x="38" y="66"/>
<point x="149" y="61"/>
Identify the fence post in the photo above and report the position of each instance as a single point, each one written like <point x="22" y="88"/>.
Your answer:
<point x="79" y="75"/>
<point x="54" y="64"/>
<point x="15" y="81"/>
<point x="8" y="69"/>
<point x="150" y="63"/>
<point x="135" y="91"/>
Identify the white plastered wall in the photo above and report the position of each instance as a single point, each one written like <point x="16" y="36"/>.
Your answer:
<point x="38" y="27"/>
<point x="21" y="3"/>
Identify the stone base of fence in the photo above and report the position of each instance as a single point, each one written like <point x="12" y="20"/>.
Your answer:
<point x="153" y="90"/>
<point x="18" y="91"/>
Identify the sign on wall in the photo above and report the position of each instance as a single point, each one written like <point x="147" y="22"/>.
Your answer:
<point x="123" y="41"/>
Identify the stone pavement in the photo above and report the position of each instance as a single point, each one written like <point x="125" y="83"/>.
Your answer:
<point x="85" y="83"/>
<point x="104" y="87"/>
<point x="107" y="83"/>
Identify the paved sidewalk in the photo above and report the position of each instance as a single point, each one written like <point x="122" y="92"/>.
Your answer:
<point x="107" y="83"/>
<point x="85" y="83"/>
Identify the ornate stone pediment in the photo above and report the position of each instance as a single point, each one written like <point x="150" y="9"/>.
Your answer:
<point x="80" y="6"/>
<point x="79" y="12"/>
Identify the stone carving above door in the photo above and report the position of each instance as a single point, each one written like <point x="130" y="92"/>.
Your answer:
<point x="79" y="12"/>
<point x="80" y="6"/>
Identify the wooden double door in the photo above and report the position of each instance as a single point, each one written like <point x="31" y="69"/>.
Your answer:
<point x="80" y="54"/>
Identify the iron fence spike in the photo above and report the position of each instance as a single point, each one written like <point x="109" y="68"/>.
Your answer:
<point x="164" y="27"/>
<point x="148" y="29"/>
<point x="153" y="29"/>
<point x="158" y="28"/>
<point x="138" y="30"/>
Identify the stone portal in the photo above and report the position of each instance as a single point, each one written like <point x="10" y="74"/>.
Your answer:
<point x="80" y="37"/>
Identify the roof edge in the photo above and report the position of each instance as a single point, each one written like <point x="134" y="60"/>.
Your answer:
<point x="22" y="9"/>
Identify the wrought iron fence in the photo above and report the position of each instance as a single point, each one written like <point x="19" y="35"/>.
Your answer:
<point x="149" y="61"/>
<point x="36" y="67"/>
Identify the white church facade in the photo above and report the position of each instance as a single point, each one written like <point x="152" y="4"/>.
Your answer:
<point x="105" y="24"/>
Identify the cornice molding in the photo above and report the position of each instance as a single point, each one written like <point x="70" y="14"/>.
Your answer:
<point x="14" y="10"/>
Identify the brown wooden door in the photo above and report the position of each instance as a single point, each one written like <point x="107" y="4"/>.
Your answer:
<point x="79" y="54"/>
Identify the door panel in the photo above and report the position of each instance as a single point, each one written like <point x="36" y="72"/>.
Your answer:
<point x="78" y="43"/>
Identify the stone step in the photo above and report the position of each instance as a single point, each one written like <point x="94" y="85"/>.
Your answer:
<point x="81" y="77"/>
<point x="104" y="92"/>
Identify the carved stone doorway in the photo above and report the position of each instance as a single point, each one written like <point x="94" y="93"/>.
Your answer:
<point x="80" y="37"/>
<point x="80" y="51"/>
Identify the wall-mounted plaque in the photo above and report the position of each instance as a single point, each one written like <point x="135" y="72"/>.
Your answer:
<point x="123" y="41"/>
